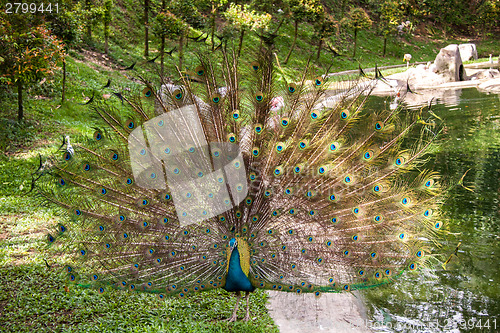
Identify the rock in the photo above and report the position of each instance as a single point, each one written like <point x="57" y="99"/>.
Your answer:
<point x="468" y="51"/>
<point x="335" y="313"/>
<point x="490" y="86"/>
<point x="485" y="74"/>
<point x="449" y="63"/>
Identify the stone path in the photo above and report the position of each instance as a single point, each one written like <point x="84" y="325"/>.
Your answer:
<point x="305" y="313"/>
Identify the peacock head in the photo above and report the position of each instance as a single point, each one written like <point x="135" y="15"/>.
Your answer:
<point x="233" y="243"/>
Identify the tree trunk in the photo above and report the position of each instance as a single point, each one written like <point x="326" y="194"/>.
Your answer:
<point x="146" y="28"/>
<point x="106" y="37"/>
<point x="162" y="46"/>
<point x="20" y="110"/>
<point x="213" y="28"/>
<point x="355" y="41"/>
<point x="241" y="41"/>
<point x="385" y="44"/>
<point x="63" y="97"/>
<point x="320" y="46"/>
<point x="88" y="7"/>
<point x="296" y="23"/>
<point x="162" y="54"/>
<point x="181" y="50"/>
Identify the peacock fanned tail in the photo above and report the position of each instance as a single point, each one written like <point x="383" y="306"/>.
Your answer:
<point x="320" y="194"/>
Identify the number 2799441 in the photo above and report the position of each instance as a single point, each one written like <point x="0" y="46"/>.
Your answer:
<point x="32" y="8"/>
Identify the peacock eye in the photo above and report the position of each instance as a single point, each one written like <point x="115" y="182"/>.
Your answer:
<point x="315" y="193"/>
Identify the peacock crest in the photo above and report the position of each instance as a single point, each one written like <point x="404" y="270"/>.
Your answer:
<point x="238" y="177"/>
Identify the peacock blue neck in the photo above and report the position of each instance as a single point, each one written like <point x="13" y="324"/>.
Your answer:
<point x="236" y="279"/>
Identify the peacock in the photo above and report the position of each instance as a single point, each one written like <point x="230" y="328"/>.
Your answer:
<point x="238" y="175"/>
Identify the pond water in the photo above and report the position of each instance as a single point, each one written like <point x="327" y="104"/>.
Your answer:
<point x="464" y="297"/>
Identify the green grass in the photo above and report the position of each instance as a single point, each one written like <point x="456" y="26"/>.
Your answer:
<point x="34" y="298"/>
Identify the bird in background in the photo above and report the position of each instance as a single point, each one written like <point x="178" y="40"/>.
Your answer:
<point x="407" y="57"/>
<point x="241" y="180"/>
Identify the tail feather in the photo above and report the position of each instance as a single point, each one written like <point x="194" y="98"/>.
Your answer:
<point x="334" y="198"/>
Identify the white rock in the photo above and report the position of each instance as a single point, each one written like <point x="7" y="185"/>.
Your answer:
<point x="468" y="51"/>
<point x="449" y="63"/>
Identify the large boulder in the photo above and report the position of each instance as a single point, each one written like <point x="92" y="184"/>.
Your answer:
<point x="467" y="51"/>
<point x="448" y="63"/>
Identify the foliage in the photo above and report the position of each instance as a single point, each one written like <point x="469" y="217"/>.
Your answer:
<point x="28" y="56"/>
<point x="306" y="10"/>
<point x="107" y="17"/>
<point x="36" y="298"/>
<point x="357" y="19"/>
<point x="456" y="15"/>
<point x="488" y="15"/>
<point x="168" y="25"/>
<point x="323" y="29"/>
<point x="91" y="13"/>
<point x="67" y="27"/>
<point x="243" y="18"/>
<point x="188" y="12"/>
<point x="391" y="15"/>
<point x="214" y="6"/>
<point x="270" y="6"/>
<point x="303" y="10"/>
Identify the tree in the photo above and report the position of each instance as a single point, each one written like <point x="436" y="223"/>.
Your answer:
<point x="215" y="7"/>
<point x="93" y="15"/>
<point x="88" y="8"/>
<point x="488" y="15"/>
<point x="65" y="25"/>
<point x="303" y="10"/>
<point x="167" y="25"/>
<point x="28" y="55"/>
<point x="357" y="19"/>
<point x="107" y="17"/>
<point x="324" y="29"/>
<point x="391" y="15"/>
<point x="243" y="19"/>
<point x="146" y="28"/>
<point x="186" y="11"/>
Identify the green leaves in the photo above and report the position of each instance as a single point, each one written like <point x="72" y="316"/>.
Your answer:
<point x="357" y="18"/>
<point x="242" y="17"/>
<point x="306" y="10"/>
<point x="167" y="25"/>
<point x="29" y="55"/>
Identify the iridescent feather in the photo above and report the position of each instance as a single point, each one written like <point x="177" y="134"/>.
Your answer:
<point x="333" y="197"/>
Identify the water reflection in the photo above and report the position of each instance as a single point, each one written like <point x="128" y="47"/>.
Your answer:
<point x="448" y="97"/>
<point x="466" y="296"/>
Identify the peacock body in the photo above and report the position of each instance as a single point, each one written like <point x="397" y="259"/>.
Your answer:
<point x="236" y="177"/>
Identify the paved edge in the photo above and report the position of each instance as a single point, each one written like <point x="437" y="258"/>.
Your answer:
<point x="305" y="313"/>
